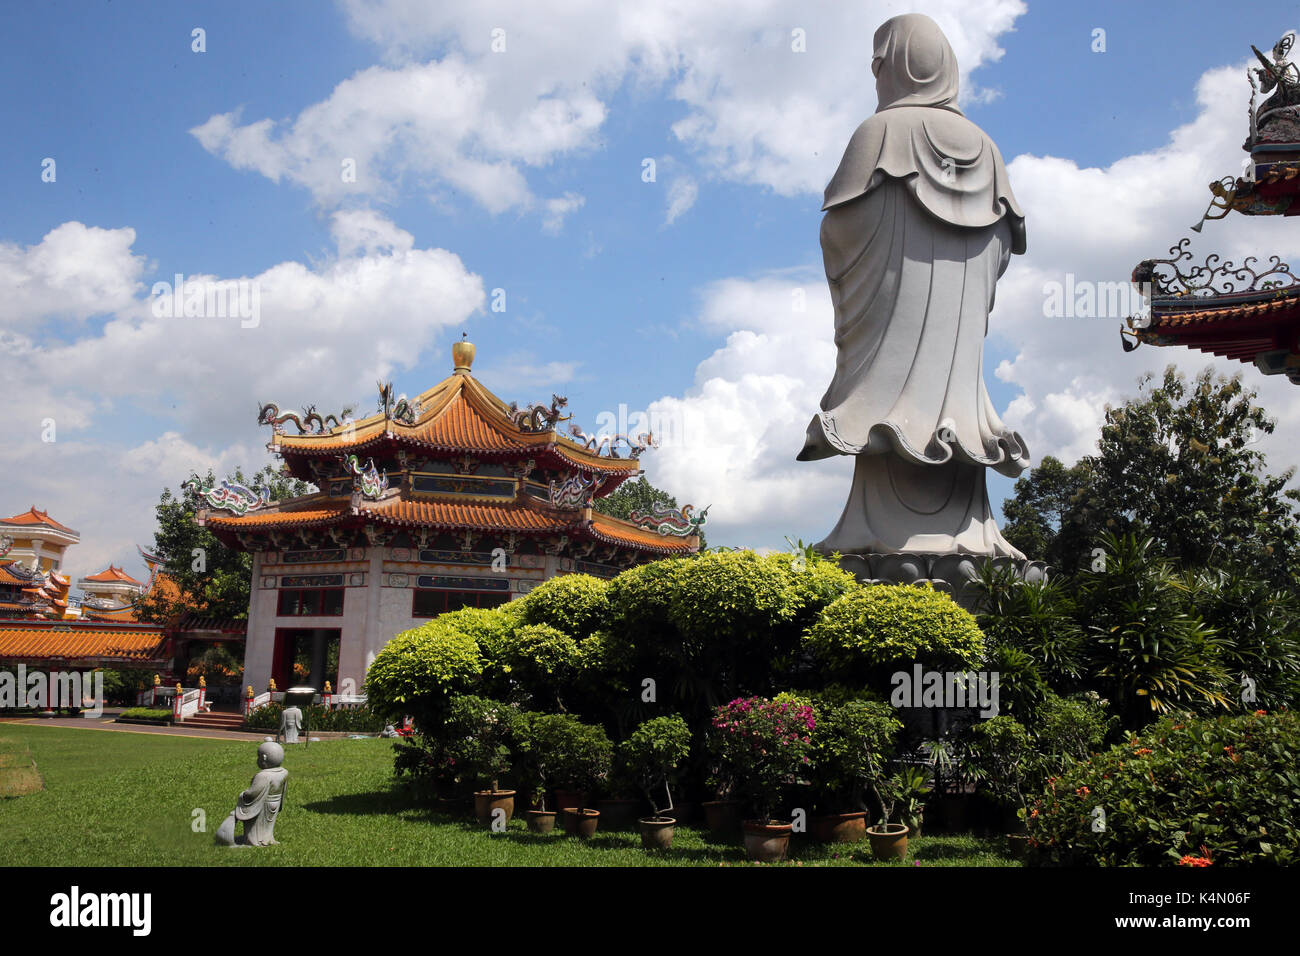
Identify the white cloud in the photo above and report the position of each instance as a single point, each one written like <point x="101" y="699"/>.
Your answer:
<point x="74" y="271"/>
<point x="681" y="197"/>
<point x="326" y="334"/>
<point x="453" y="112"/>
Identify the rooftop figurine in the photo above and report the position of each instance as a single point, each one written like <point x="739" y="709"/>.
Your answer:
<point x="260" y="804"/>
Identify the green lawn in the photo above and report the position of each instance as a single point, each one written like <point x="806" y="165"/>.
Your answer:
<point x="119" y="799"/>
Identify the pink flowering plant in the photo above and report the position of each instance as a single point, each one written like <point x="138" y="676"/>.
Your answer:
<point x="762" y="745"/>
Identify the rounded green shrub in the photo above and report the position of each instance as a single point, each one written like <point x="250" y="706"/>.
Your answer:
<point x="576" y="604"/>
<point x="877" y="628"/>
<point x="419" y="670"/>
<point x="1196" y="791"/>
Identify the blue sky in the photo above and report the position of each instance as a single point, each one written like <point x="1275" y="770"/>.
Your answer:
<point x="612" y="298"/>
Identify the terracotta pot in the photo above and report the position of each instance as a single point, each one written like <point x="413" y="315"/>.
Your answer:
<point x="487" y="802"/>
<point x="618" y="814"/>
<point x="541" y="821"/>
<point x="656" y="832"/>
<point x="580" y="823"/>
<point x="888" y="841"/>
<point x="767" y="841"/>
<point x="722" y="816"/>
<point x="840" y="827"/>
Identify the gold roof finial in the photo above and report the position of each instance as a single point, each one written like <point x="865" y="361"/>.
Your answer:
<point x="462" y="354"/>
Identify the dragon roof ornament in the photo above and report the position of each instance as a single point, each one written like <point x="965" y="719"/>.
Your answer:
<point x="664" y="519"/>
<point x="229" y="496"/>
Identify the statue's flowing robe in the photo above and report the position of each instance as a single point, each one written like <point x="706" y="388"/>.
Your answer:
<point x="260" y="804"/>
<point x="920" y="223"/>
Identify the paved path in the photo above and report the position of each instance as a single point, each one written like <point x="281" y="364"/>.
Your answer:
<point x="106" y="723"/>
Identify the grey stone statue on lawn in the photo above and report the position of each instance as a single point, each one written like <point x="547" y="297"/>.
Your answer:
<point x="290" y="724"/>
<point x="920" y="223"/>
<point x="259" y="805"/>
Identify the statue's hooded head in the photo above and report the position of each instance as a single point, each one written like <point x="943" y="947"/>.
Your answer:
<point x="270" y="755"/>
<point x="913" y="64"/>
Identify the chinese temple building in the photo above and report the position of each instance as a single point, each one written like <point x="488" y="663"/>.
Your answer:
<point x="1250" y="312"/>
<point x="35" y="540"/>
<point x="463" y="501"/>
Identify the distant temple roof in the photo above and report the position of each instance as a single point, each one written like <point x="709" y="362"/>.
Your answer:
<point x="535" y="482"/>
<point x="457" y="416"/>
<point x="37" y="518"/>
<point x="112" y="574"/>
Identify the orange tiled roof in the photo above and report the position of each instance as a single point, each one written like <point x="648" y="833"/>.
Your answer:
<point x="11" y="579"/>
<point x="399" y="511"/>
<point x="616" y="531"/>
<point x="123" y="614"/>
<point x="457" y="415"/>
<point x="111" y="574"/>
<point x="32" y="640"/>
<point x="1175" y="317"/>
<point x="33" y="517"/>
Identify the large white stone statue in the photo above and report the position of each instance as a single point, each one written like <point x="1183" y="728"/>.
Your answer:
<point x="920" y="223"/>
<point x="259" y="805"/>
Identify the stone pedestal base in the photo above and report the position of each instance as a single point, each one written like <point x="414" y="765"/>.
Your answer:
<point x="950" y="573"/>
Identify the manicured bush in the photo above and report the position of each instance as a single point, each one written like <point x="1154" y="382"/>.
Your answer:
<point x="867" y="633"/>
<point x="540" y="663"/>
<point x="361" y="720"/>
<point x="419" y="671"/>
<point x="147" y="713"/>
<point x="559" y="749"/>
<point x="576" y="604"/>
<point x="1187" y="789"/>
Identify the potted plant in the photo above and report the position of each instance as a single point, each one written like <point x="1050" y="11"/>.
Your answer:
<point x="541" y="742"/>
<point x="763" y="744"/>
<point x="619" y="807"/>
<point x="837" y="788"/>
<point x="862" y="735"/>
<point x="582" y="761"/>
<point x="914" y="787"/>
<point x="480" y="734"/>
<point x="652" y="755"/>
<point x="1003" y="761"/>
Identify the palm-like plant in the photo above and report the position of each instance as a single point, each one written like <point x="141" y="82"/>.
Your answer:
<point x="1148" y="647"/>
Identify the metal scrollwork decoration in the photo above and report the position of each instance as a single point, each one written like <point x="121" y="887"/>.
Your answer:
<point x="1214" y="277"/>
<point x="368" y="480"/>
<point x="537" y="417"/>
<point x="667" y="520"/>
<point x="229" y="496"/>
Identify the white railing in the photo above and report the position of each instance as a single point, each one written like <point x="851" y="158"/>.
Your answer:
<point x="186" y="704"/>
<point x="328" y="701"/>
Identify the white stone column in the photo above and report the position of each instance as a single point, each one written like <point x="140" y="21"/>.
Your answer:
<point x="259" y="647"/>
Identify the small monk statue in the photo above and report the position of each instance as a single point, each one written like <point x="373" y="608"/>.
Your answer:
<point x="290" y="724"/>
<point x="259" y="805"/>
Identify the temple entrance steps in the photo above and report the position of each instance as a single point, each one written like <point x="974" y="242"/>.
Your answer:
<point x="216" y="720"/>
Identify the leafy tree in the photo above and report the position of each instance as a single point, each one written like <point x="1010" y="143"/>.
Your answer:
<point x="210" y="578"/>
<point x="638" y="495"/>
<point x="1046" y="516"/>
<point x="1175" y="464"/>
